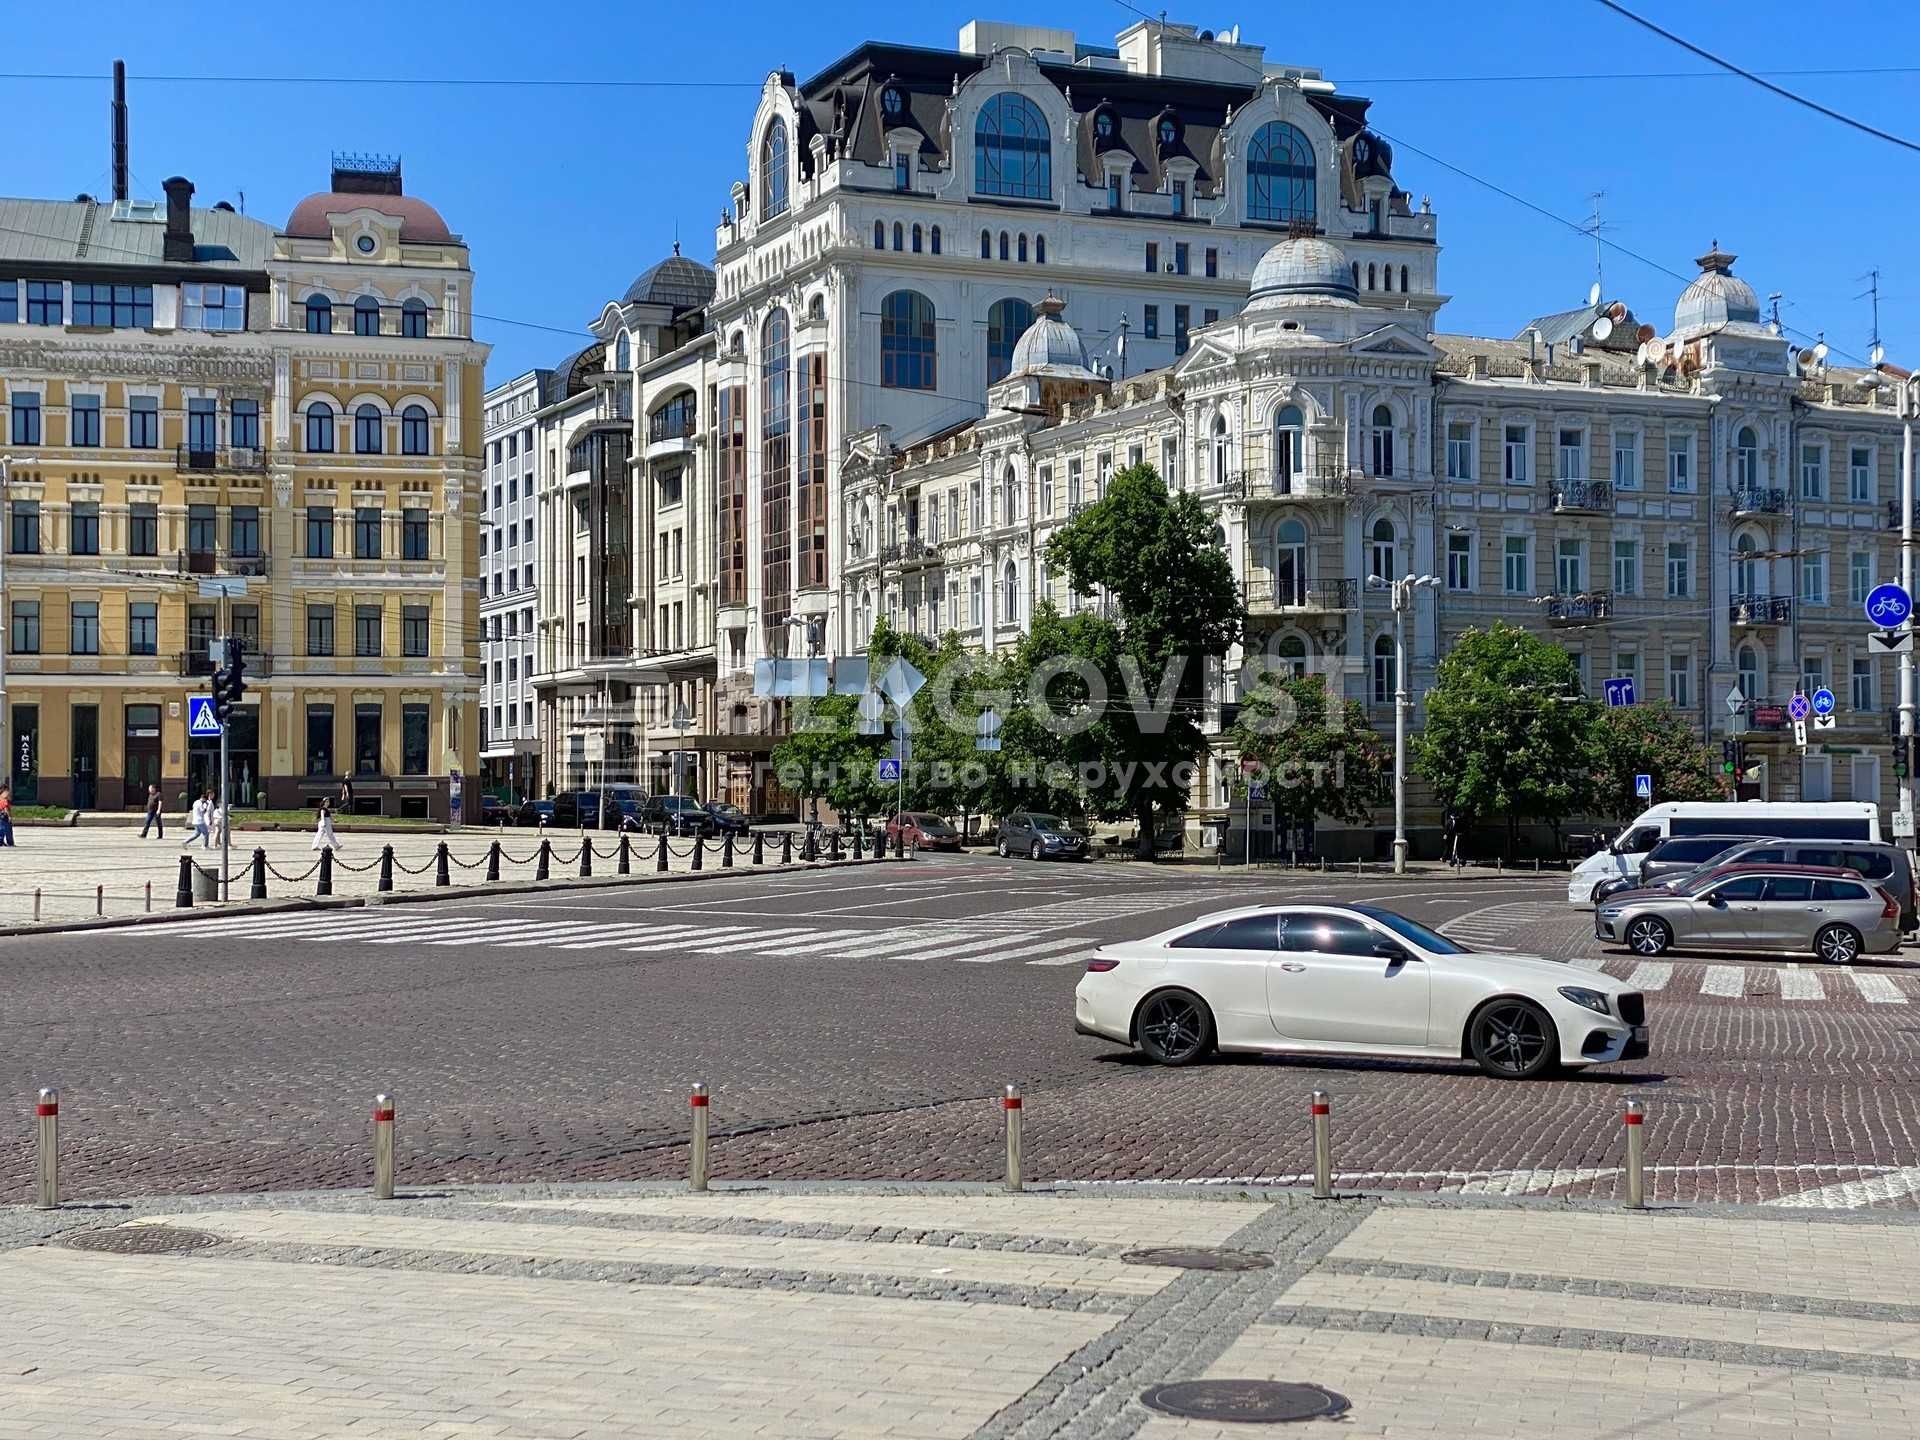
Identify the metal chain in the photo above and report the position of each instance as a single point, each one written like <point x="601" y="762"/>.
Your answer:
<point x="572" y="859"/>
<point x="355" y="869"/>
<point x="408" y="870"/>
<point x="274" y="871"/>
<point x="516" y="860"/>
<point x="464" y="864"/>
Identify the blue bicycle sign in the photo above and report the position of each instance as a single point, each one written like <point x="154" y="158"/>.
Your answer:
<point x="1888" y="606"/>
<point x="1823" y="701"/>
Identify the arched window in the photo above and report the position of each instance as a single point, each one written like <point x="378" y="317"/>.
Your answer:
<point x="319" y="315"/>
<point x="1356" y="274"/>
<point x="366" y="316"/>
<point x="1370" y="276"/>
<point x="622" y="354"/>
<point x="366" y="430"/>
<point x="1220" y="450"/>
<point x="1012" y="149"/>
<point x="320" y="428"/>
<point x="1382" y="551"/>
<point x="1004" y="255"/>
<point x="1386" y="278"/>
<point x="1009" y="496"/>
<point x="1289" y="447"/>
<point x="1010" y="593"/>
<point x="986" y="245"/>
<point x="1382" y="437"/>
<point x="897" y="236"/>
<point x="414" y="431"/>
<point x="906" y="341"/>
<point x="1280" y="175"/>
<point x="1219" y="537"/>
<point x="1746" y="458"/>
<point x="1039" y="249"/>
<point x="1292" y="653"/>
<point x="1023" y="248"/>
<point x="1748" y="665"/>
<point x="1383" y="670"/>
<point x="863" y="534"/>
<point x="773" y="170"/>
<point x="916" y="239"/>
<point x="933" y="240"/>
<point x="1290" y="564"/>
<point x="1007" y="321"/>
<point x="413" y="319"/>
<point x="1403" y="280"/>
<point x="879" y="234"/>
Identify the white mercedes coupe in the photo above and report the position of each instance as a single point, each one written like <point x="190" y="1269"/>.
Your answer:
<point x="1352" y="980"/>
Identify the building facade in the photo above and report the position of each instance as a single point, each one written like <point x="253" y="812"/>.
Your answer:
<point x="193" y="396"/>
<point x="509" y="729"/>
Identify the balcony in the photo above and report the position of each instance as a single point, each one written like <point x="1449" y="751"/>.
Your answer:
<point x="1586" y="608"/>
<point x="1760" y="610"/>
<point x="219" y="562"/>
<point x="1758" y="500"/>
<point x="1322" y="484"/>
<point x="1893" y="516"/>
<point x="1266" y="596"/>
<point x="913" y="553"/>
<point x="1583" y="497"/>
<point x="221" y="459"/>
<point x="197" y="662"/>
<point x="671" y="423"/>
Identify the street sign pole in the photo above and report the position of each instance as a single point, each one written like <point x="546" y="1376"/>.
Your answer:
<point x="1906" y="806"/>
<point x="226" y="815"/>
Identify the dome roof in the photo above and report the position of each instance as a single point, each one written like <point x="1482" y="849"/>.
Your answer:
<point x="676" y="281"/>
<point x="418" y="220"/>
<point x="1051" y="346"/>
<point x="1717" y="297"/>
<point x="1302" y="270"/>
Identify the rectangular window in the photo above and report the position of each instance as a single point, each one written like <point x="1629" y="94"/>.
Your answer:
<point x="23" y="527"/>
<point x="86" y="627"/>
<point x="243" y="531"/>
<point x="84" y="420"/>
<point x="1459" y="561"/>
<point x="1153" y="256"/>
<point x="1180" y="257"/>
<point x="366" y="738"/>
<point x="319" y="532"/>
<point x="143" y="422"/>
<point x="46" y="302"/>
<point x="1213" y="262"/>
<point x="26" y="418"/>
<point x="1516" y="447"/>
<point x="366" y="533"/>
<point x="143" y="529"/>
<point x="1626" y="666"/>
<point x="9" y="302"/>
<point x="246" y="424"/>
<point x="1573" y="455"/>
<point x="1113" y="198"/>
<point x="1170" y="461"/>
<point x="1860" y="485"/>
<point x="976" y="508"/>
<point x="213" y="307"/>
<point x="1863" y="686"/>
<point x="1074" y="497"/>
<point x="320" y="630"/>
<point x="1102" y="473"/>
<point x="203" y="427"/>
<point x="23" y="634"/>
<point x="85" y="521"/>
<point x="1679" y="570"/>
<point x="1626" y="567"/>
<point x="1046" y="491"/>
<point x="143" y="628"/>
<point x="1859" y="577"/>
<point x="320" y="741"/>
<point x="118" y="307"/>
<point x="1813" y="578"/>
<point x="1182" y="323"/>
<point x="201" y="523"/>
<point x="413" y="631"/>
<point x="1211" y="315"/>
<point x="1626" y="460"/>
<point x="1151" y="324"/>
<point x="1813" y="472"/>
<point x="1180" y="202"/>
<point x="1460" y="450"/>
<point x="1680" y="463"/>
<point x="976" y="611"/>
<point x="366" y="631"/>
<point x="1813" y="673"/>
<point x="1680" y="680"/>
<point x="902" y="171"/>
<point x="1515" y="573"/>
<point x="413" y="739"/>
<point x="1570" y="567"/>
<point x="413" y="535"/>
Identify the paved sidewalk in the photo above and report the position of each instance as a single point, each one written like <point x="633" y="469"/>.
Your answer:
<point x="946" y="1312"/>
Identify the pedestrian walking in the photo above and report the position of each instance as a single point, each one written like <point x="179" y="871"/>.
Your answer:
<point x="345" y="803"/>
<point x="1450" y="828"/>
<point x="201" y="819"/>
<point x="156" y="817"/>
<point x="323" y="836"/>
<point x="216" y="822"/>
<point x="6" y="815"/>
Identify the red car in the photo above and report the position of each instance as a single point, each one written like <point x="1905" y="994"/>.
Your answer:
<point x="923" y="831"/>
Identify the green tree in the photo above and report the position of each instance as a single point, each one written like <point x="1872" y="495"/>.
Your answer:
<point x="1507" y="735"/>
<point x="826" y="758"/>
<point x="1651" y="740"/>
<point x="946" y="774"/>
<point x="1169" y="602"/>
<point x="1320" y="761"/>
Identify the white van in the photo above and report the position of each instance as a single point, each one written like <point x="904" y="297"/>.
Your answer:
<point x="1765" y="819"/>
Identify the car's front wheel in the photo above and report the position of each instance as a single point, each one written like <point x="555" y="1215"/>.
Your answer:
<point x="1648" y="936"/>
<point x="1593" y="895"/>
<point x="1034" y="852"/>
<point x="1837" y="945"/>
<point x="1513" y="1039"/>
<point x="1002" y="847"/>
<point x="1175" y="1027"/>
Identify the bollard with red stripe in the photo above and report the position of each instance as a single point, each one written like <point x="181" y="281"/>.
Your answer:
<point x="1636" y="1125"/>
<point x="1016" y="1113"/>
<point x="697" y="1162"/>
<point x="1321" y="1108"/>
<point x="383" y="1146"/>
<point x="47" y="1108"/>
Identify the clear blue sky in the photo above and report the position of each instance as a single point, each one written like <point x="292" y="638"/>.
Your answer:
<point x="566" y="193"/>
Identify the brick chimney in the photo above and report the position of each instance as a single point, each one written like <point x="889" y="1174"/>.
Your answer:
<point x="178" y="243"/>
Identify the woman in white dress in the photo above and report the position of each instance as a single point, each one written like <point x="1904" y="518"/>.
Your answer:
<point x="323" y="836"/>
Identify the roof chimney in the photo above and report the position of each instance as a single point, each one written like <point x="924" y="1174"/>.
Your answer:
<point x="178" y="242"/>
<point x="119" y="129"/>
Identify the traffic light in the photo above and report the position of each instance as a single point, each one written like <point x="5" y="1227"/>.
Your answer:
<point x="1729" y="757"/>
<point x="229" y="681"/>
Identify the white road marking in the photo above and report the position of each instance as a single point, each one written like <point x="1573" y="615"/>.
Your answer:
<point x="1588" y="962"/>
<point x="1877" y="989"/>
<point x="1800" y="985"/>
<point x="1527" y="1182"/>
<point x="1050" y="947"/>
<point x="1850" y="1194"/>
<point x="739" y="942"/>
<point x="1650" y="975"/>
<point x="818" y="940"/>
<point x="1728" y="980"/>
<point x="596" y="936"/>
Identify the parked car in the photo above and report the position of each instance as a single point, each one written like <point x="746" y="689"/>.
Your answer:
<point x="727" y="819"/>
<point x="923" y="831"/>
<point x="1799" y="819"/>
<point x="624" y="806"/>
<point x="577" y="809"/>
<point x="676" y="815"/>
<point x="1352" y="980"/>
<point x="1834" y="913"/>
<point x="1039" y="837"/>
<point x="1673" y="857"/>
<point x="1887" y="866"/>
<point x="534" y="812"/>
<point x="495" y="811"/>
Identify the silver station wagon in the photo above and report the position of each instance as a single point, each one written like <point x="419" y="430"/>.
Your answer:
<point x="1833" y="913"/>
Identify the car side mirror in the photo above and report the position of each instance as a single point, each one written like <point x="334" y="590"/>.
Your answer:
<point x="1717" y="902"/>
<point x="1387" y="950"/>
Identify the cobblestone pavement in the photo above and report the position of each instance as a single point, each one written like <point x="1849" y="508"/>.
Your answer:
<point x="909" y="1313"/>
<point x="859" y="1023"/>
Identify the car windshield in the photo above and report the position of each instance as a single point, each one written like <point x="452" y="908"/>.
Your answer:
<point x="1695" y="881"/>
<point x="1046" y="822"/>
<point x="722" y="808"/>
<point x="931" y="822"/>
<point x="1429" y="940"/>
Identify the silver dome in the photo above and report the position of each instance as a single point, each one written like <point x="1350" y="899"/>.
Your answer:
<point x="1717" y="297"/>
<point x="1051" y="346"/>
<point x="1302" y="269"/>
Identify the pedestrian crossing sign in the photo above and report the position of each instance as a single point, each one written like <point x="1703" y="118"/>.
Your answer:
<point x="200" y="717"/>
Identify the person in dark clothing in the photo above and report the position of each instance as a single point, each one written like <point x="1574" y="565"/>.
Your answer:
<point x="155" y="819"/>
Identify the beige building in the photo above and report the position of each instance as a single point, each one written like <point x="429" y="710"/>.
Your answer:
<point x="192" y="396"/>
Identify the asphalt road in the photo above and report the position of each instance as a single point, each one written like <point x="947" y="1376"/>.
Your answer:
<point x="859" y="1023"/>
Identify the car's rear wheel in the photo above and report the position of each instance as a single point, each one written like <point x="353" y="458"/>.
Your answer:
<point x="1033" y="852"/>
<point x="1648" y="936"/>
<point x="1513" y="1040"/>
<point x="1174" y="1027"/>
<point x="1837" y="944"/>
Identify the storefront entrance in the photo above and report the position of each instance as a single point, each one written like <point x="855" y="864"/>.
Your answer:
<point x="243" y="760"/>
<point x="86" y="756"/>
<point x="143" y="755"/>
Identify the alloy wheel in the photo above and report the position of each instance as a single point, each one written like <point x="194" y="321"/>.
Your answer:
<point x="1837" y="946"/>
<point x="1646" y="937"/>
<point x="1173" y="1027"/>
<point x="1512" y="1038"/>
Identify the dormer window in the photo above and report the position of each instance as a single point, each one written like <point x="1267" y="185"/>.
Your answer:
<point x="1013" y="149"/>
<point x="1169" y="132"/>
<point x="1179" y="197"/>
<point x="773" y="170"/>
<point x="1103" y="126"/>
<point x="902" y="172"/>
<point x="1113" y="190"/>
<point x="892" y="102"/>
<point x="1281" y="175"/>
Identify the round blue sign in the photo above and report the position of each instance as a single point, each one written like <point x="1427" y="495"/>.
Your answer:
<point x="1823" y="701"/>
<point x="1888" y="606"/>
<point x="1798" y="707"/>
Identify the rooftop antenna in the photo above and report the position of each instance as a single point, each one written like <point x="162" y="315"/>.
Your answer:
<point x="1594" y="227"/>
<point x="1876" y="352"/>
<point x="118" y="128"/>
<point x="1773" y="307"/>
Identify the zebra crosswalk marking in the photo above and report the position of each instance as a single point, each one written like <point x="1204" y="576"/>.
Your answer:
<point x="1728" y="980"/>
<point x="744" y="942"/>
<point x="606" y="934"/>
<point x="1877" y="989"/>
<point x="1072" y="958"/>
<point x="1047" y="947"/>
<point x="1800" y="985"/>
<point x="1650" y="975"/>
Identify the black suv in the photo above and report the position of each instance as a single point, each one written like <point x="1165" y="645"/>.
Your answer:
<point x="676" y="815"/>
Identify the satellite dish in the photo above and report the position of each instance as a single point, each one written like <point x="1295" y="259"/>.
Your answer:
<point x="1820" y="352"/>
<point x="1617" y="310"/>
<point x="1877" y="354"/>
<point x="1645" y="332"/>
<point x="1602" y="328"/>
<point x="1593" y="295"/>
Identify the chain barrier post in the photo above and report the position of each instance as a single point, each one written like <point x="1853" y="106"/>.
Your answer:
<point x="47" y="1109"/>
<point x="182" y="898"/>
<point x="1322" y="1111"/>
<point x="697" y="1161"/>
<point x="258" y="890"/>
<point x="626" y="854"/>
<point x="386" y="867"/>
<point x="36" y="904"/>
<point x="859" y="851"/>
<point x="544" y="859"/>
<point x="149" y="897"/>
<point x="99" y="900"/>
<point x="493" y="861"/>
<point x="786" y="847"/>
<point x="1636" y="1122"/>
<point x="660" y="855"/>
<point x="440" y="876"/>
<point x="759" y="848"/>
<point x="325" y="887"/>
<point x="699" y="848"/>
<point x="726" y="851"/>
<point x="833" y="846"/>
<point x="1010" y="1102"/>
<point x="586" y="857"/>
<point x="900" y="843"/>
<point x="383" y="1147"/>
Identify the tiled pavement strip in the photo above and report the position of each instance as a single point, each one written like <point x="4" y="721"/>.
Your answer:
<point x="894" y="1311"/>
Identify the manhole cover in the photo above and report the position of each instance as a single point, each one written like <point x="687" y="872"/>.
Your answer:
<point x="1197" y="1259"/>
<point x="1259" y="1402"/>
<point x="141" y="1240"/>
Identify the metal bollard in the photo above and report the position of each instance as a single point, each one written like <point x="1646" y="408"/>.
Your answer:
<point x="859" y="850"/>
<point x="440" y="875"/>
<point x="545" y="858"/>
<point x="99" y="900"/>
<point x="660" y="860"/>
<point x="383" y="1147"/>
<point x="258" y="890"/>
<point x="325" y="887"/>
<point x="1636" y="1121"/>
<point x="759" y="848"/>
<point x="1322" y="1146"/>
<point x="809" y="848"/>
<point x="697" y="1161"/>
<point x="149" y="897"/>
<point x="386" y="867"/>
<point x="626" y="854"/>
<point x="586" y="858"/>
<point x="1010" y="1102"/>
<point x="900" y="844"/>
<point x="786" y="847"/>
<point x="182" y="898"/>
<point x="699" y="848"/>
<point x="493" y="861"/>
<point x="833" y="846"/>
<point x="36" y="904"/>
<point x="48" y="1109"/>
<point x="726" y="851"/>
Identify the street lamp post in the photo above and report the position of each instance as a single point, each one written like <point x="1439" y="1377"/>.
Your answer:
<point x="1909" y="405"/>
<point x="1400" y="593"/>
